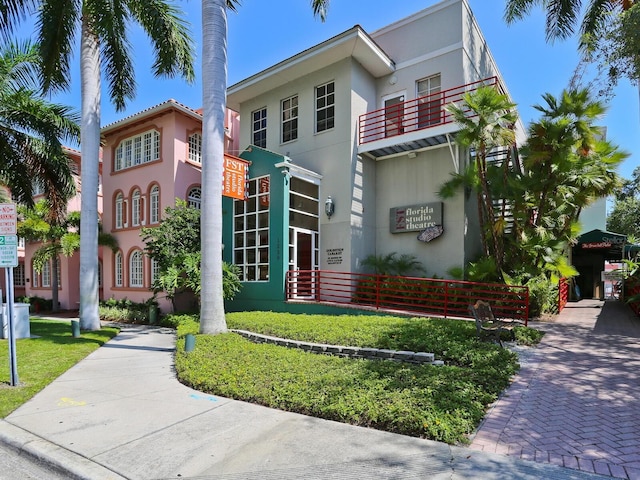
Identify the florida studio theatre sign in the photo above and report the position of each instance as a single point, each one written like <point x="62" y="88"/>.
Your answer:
<point x="425" y="218"/>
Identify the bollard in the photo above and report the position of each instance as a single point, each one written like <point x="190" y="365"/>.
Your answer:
<point x="189" y="342"/>
<point x="153" y="314"/>
<point x="75" y="328"/>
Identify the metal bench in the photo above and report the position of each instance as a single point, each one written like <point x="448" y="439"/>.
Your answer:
<point x="488" y="326"/>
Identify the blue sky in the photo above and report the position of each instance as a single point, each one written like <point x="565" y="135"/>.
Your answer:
<point x="261" y="35"/>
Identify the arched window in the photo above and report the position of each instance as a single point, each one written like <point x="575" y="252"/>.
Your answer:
<point x="118" y="269"/>
<point x="194" y="197"/>
<point x="154" y="204"/>
<point x="136" y="276"/>
<point x="195" y="148"/>
<point x="135" y="208"/>
<point x="46" y="274"/>
<point x="119" y="210"/>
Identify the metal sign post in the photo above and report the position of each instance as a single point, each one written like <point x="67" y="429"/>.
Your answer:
<point x="13" y="357"/>
<point x="8" y="260"/>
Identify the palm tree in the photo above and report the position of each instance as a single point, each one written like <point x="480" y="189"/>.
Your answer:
<point x="563" y="16"/>
<point x="104" y="46"/>
<point x="486" y="123"/>
<point x="31" y="130"/>
<point x="214" y="81"/>
<point x="58" y="237"/>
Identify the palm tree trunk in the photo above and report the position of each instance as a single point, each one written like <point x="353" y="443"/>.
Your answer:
<point x="214" y="81"/>
<point x="55" y="265"/>
<point x="90" y="138"/>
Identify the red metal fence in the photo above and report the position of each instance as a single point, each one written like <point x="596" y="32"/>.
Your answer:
<point x="445" y="298"/>
<point x="563" y="293"/>
<point x="417" y="114"/>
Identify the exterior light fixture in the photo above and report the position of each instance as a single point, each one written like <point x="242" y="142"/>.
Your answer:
<point x="329" y="207"/>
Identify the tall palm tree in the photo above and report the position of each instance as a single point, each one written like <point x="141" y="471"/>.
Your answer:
<point x="31" y="131"/>
<point x="104" y="46"/>
<point x="214" y="82"/>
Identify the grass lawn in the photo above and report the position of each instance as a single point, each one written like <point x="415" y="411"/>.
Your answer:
<point x="444" y="403"/>
<point x="41" y="360"/>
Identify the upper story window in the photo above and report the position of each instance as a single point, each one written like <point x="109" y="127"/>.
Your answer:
<point x="154" y="204"/>
<point x="135" y="208"/>
<point x="194" y="197"/>
<point x="119" y="211"/>
<point x="136" y="150"/>
<point x="429" y="102"/>
<point x="325" y="107"/>
<point x="195" y="148"/>
<point x="259" y="128"/>
<point x="289" y="119"/>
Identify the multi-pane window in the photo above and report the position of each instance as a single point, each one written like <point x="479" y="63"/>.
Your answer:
<point x="136" y="150"/>
<point x="289" y="119"/>
<point x="118" y="268"/>
<point x="429" y="101"/>
<point x="194" y="197"/>
<point x="155" y="269"/>
<point x="154" y="204"/>
<point x="325" y="107"/>
<point x="34" y="276"/>
<point x="251" y="232"/>
<point x="119" y="211"/>
<point x="46" y="275"/>
<point x="135" y="208"/>
<point x="135" y="269"/>
<point x="259" y="128"/>
<point x="18" y="275"/>
<point x="195" y="148"/>
<point x="37" y="187"/>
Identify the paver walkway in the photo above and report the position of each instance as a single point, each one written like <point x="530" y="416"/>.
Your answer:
<point x="576" y="403"/>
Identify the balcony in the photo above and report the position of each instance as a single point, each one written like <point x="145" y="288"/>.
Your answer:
<point x="412" y="125"/>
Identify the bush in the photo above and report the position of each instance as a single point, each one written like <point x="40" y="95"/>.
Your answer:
<point x="543" y="296"/>
<point x="125" y="310"/>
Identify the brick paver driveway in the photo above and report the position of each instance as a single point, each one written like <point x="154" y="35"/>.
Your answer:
<point x="576" y="403"/>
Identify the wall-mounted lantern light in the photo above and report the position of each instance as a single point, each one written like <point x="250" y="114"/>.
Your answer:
<point x="329" y="207"/>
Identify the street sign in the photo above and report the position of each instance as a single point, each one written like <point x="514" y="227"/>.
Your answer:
<point x="8" y="219"/>
<point x="8" y="251"/>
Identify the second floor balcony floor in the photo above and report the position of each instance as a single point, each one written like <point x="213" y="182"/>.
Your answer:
<point x="402" y="126"/>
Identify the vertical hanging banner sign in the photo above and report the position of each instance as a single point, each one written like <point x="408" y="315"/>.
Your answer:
<point x="236" y="178"/>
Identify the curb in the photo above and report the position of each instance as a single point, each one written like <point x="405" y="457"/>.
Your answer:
<point x="62" y="460"/>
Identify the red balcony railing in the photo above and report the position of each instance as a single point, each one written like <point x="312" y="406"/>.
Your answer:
<point x="412" y="115"/>
<point x="563" y="293"/>
<point x="445" y="298"/>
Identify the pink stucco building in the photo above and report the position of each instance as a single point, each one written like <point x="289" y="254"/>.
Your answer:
<point x="148" y="160"/>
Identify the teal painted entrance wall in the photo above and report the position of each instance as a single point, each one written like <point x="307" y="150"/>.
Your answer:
<point x="270" y="294"/>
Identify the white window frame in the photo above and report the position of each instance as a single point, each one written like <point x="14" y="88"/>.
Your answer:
<point x="155" y="269"/>
<point x="46" y="275"/>
<point x="118" y="269"/>
<point x="19" y="275"/>
<point x="325" y="102"/>
<point x="136" y="150"/>
<point x="289" y="116"/>
<point x="135" y="208"/>
<point x="154" y="204"/>
<point x="34" y="276"/>
<point x="195" y="148"/>
<point x="119" y="211"/>
<point x="194" y="197"/>
<point x="136" y="269"/>
<point x="259" y="127"/>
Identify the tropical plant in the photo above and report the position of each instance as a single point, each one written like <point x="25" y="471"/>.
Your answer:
<point x="103" y="29"/>
<point x="175" y="245"/>
<point x="58" y="236"/>
<point x="625" y="216"/>
<point x="486" y="119"/>
<point x="214" y="80"/>
<point x="391" y="264"/>
<point x="31" y="132"/>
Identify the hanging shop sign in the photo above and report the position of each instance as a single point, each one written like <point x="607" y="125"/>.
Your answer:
<point x="414" y="218"/>
<point x="235" y="182"/>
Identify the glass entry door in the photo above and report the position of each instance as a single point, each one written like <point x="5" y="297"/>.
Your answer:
<point x="303" y="249"/>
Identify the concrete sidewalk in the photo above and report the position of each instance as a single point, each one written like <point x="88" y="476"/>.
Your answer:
<point x="121" y="413"/>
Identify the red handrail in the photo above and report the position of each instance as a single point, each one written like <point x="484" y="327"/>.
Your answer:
<point x="417" y="114"/>
<point x="433" y="296"/>
<point x="563" y="293"/>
